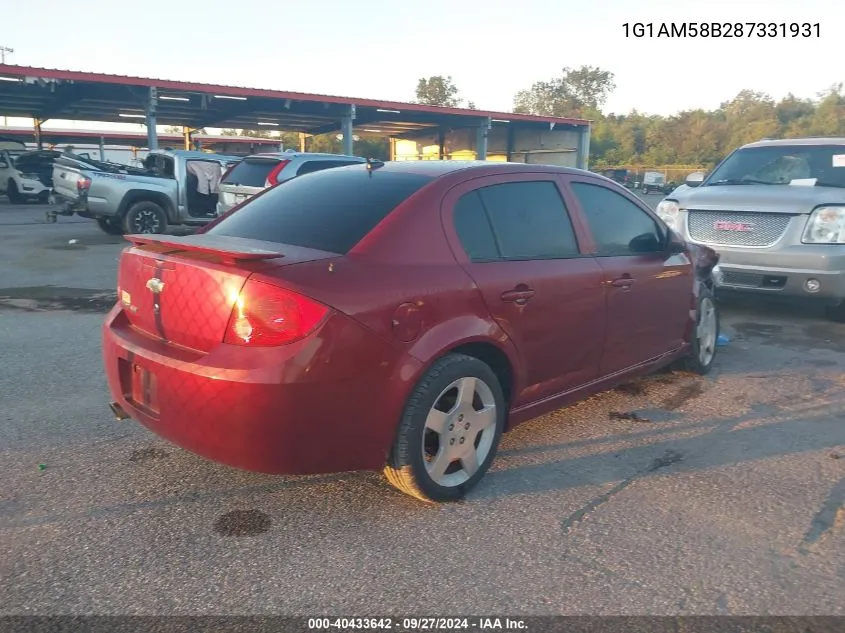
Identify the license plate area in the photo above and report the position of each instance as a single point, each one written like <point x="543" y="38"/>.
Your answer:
<point x="143" y="388"/>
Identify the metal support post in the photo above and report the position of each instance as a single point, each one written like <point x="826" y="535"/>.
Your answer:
<point x="584" y="147"/>
<point x="152" y="135"/>
<point x="346" y="125"/>
<point x="103" y="148"/>
<point x="481" y="139"/>
<point x="36" y="124"/>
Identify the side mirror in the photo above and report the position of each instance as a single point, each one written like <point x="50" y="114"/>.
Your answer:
<point x="695" y="179"/>
<point x="645" y="243"/>
<point x="4" y="164"/>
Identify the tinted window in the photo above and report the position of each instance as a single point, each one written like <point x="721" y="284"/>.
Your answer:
<point x="615" y="221"/>
<point x="474" y="230"/>
<point x="318" y="165"/>
<point x="529" y="220"/>
<point x="330" y="210"/>
<point x="250" y="172"/>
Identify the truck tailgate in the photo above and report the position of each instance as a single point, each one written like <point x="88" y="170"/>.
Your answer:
<point x="65" y="181"/>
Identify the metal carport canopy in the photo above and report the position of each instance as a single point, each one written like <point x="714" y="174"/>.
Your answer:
<point x="43" y="94"/>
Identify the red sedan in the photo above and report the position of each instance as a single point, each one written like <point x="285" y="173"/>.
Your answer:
<point x="401" y="316"/>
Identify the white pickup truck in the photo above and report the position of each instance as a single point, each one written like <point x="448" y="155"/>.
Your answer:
<point x="25" y="175"/>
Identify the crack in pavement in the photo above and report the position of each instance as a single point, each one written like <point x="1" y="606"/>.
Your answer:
<point x="668" y="458"/>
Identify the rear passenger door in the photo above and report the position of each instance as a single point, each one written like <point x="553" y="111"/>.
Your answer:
<point x="648" y="291"/>
<point x="514" y="237"/>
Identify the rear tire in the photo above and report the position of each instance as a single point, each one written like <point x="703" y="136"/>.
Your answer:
<point x="109" y="227"/>
<point x="145" y="217"/>
<point x="449" y="431"/>
<point x="14" y="195"/>
<point x="704" y="337"/>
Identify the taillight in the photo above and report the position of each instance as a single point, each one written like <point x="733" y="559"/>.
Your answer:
<point x="265" y="315"/>
<point x="273" y="176"/>
<point x="83" y="184"/>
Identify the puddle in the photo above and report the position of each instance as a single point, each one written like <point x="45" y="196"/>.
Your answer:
<point x="631" y="389"/>
<point x="147" y="454"/>
<point x="763" y="330"/>
<point x="242" y="523"/>
<point x="53" y="298"/>
<point x="820" y="363"/>
<point x="684" y="394"/>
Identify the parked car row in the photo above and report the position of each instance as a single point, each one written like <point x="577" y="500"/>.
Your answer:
<point x="176" y="187"/>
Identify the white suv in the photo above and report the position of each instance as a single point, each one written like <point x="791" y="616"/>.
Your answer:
<point x="256" y="173"/>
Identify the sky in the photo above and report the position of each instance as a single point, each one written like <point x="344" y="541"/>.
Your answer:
<point x="491" y="48"/>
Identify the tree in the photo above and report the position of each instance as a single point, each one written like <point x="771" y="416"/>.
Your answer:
<point x="577" y="92"/>
<point x="438" y="91"/>
<point x="471" y="105"/>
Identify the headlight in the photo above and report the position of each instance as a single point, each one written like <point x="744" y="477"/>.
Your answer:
<point x="28" y="176"/>
<point x="825" y="226"/>
<point x="668" y="212"/>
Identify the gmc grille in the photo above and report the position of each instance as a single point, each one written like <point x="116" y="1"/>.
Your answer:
<point x="737" y="229"/>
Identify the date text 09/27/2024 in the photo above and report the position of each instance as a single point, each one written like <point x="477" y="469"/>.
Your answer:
<point x="722" y="29"/>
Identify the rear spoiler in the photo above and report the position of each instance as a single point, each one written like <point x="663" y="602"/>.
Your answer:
<point x="230" y="249"/>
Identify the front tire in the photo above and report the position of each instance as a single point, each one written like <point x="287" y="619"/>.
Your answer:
<point x="145" y="217"/>
<point x="449" y="431"/>
<point x="705" y="336"/>
<point x="13" y="194"/>
<point x="109" y="227"/>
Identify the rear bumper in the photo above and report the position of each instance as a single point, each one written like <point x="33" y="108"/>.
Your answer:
<point x="811" y="271"/>
<point x="302" y="408"/>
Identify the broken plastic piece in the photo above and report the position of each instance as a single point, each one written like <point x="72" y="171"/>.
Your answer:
<point x="723" y="340"/>
<point x="42" y="466"/>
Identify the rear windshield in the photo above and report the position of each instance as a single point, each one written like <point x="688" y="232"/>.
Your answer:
<point x="329" y="210"/>
<point x="250" y="172"/>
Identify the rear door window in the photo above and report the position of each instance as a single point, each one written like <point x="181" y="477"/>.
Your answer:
<point x="250" y="172"/>
<point x="520" y="220"/>
<point x="329" y="210"/>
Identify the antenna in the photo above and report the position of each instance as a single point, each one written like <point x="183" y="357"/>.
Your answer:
<point x="3" y="51"/>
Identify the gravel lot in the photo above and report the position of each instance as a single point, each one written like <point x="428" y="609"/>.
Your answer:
<point x="721" y="495"/>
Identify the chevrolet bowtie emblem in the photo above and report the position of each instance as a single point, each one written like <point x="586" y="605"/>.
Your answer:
<point x="155" y="285"/>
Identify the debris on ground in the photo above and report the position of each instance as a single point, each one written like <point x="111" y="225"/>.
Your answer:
<point x="723" y="340"/>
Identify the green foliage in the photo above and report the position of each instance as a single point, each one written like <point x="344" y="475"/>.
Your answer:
<point x="577" y="92"/>
<point x="702" y="137"/>
<point x="439" y="91"/>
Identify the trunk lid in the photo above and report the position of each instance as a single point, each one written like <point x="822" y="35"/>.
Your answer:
<point x="182" y="289"/>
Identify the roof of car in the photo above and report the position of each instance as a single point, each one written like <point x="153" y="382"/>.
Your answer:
<point x="816" y="140"/>
<point x="289" y="154"/>
<point x="437" y="168"/>
<point x="188" y="154"/>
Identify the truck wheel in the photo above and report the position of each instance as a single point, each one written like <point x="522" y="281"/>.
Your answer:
<point x="145" y="217"/>
<point x="110" y="227"/>
<point x="15" y="196"/>
<point x="836" y="312"/>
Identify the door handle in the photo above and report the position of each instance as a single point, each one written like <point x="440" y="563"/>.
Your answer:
<point x="519" y="295"/>
<point x="622" y="282"/>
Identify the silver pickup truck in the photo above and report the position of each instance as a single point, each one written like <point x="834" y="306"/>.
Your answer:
<point x="173" y="188"/>
<point x="775" y="212"/>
